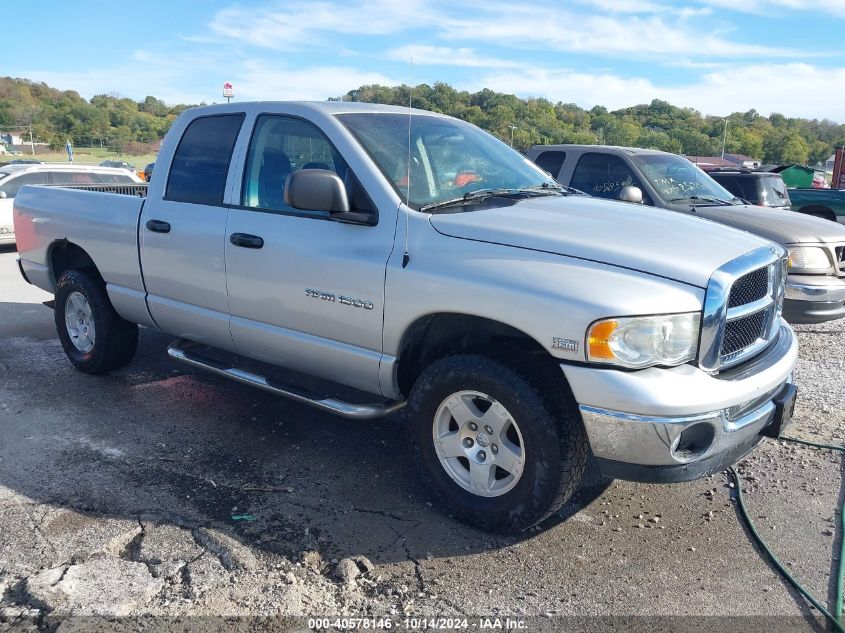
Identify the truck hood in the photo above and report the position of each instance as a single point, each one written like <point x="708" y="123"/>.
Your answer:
<point x="655" y="241"/>
<point x="778" y="225"/>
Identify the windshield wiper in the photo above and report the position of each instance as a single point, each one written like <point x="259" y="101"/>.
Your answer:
<point x="695" y="199"/>
<point x="544" y="189"/>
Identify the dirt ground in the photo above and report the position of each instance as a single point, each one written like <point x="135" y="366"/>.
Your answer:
<point x="159" y="490"/>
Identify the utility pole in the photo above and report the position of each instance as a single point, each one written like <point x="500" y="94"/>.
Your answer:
<point x="31" y="144"/>
<point x="512" y="127"/>
<point x="724" y="142"/>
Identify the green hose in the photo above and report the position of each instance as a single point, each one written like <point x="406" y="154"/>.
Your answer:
<point x="834" y="618"/>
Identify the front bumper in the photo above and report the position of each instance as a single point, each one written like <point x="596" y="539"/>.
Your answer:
<point x="680" y="423"/>
<point x="814" y="299"/>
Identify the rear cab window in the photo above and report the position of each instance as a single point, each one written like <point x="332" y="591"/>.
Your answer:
<point x="200" y="165"/>
<point x="773" y="192"/>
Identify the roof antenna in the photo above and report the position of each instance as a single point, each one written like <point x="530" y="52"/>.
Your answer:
<point x="406" y="257"/>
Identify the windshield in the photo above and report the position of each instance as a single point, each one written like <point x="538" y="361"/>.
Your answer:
<point x="676" y="179"/>
<point x="449" y="158"/>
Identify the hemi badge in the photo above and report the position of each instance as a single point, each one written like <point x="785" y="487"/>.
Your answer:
<point x="565" y="344"/>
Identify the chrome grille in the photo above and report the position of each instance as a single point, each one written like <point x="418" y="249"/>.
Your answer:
<point x="749" y="288"/>
<point x="743" y="332"/>
<point x="742" y="308"/>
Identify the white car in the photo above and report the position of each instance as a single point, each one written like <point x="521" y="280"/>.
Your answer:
<point x="13" y="177"/>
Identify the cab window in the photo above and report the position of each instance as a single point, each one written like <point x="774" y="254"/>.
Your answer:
<point x="282" y="145"/>
<point x="551" y="161"/>
<point x="74" y="178"/>
<point x="201" y="163"/>
<point x="10" y="186"/>
<point x="603" y="176"/>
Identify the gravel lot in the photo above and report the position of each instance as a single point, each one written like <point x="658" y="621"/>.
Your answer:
<point x="165" y="491"/>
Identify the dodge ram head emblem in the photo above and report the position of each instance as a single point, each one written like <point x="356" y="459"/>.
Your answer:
<point x="565" y="344"/>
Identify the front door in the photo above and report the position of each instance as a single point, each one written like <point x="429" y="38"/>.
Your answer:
<point x="182" y="235"/>
<point x="305" y="291"/>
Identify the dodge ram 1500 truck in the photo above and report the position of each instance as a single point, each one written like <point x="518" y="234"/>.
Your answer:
<point x="405" y="259"/>
<point x="815" y="288"/>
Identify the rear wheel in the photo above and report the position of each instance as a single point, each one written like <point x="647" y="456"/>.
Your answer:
<point x="94" y="337"/>
<point x="496" y="453"/>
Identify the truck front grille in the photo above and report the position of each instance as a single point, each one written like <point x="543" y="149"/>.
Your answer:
<point x="742" y="308"/>
<point x="743" y="332"/>
<point x="749" y="288"/>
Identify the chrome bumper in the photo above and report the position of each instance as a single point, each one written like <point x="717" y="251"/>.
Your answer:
<point x="682" y="415"/>
<point x="828" y="293"/>
<point x="811" y="299"/>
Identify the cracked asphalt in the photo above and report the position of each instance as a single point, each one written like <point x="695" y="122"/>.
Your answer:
<point x="161" y="490"/>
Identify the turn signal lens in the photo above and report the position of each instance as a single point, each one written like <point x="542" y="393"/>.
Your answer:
<point x="598" y="343"/>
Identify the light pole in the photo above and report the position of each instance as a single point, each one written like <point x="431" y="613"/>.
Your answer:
<point x="724" y="142"/>
<point x="512" y="127"/>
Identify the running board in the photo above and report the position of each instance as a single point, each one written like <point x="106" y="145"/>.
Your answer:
<point x="185" y="351"/>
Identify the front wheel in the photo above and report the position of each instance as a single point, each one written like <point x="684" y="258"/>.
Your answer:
<point x="496" y="452"/>
<point x="95" y="338"/>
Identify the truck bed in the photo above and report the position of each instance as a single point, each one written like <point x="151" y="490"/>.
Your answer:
<point x="104" y="225"/>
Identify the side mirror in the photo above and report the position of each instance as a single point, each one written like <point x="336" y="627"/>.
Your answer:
<point x="2" y="195"/>
<point x="322" y="190"/>
<point x="631" y="194"/>
<point x="316" y="190"/>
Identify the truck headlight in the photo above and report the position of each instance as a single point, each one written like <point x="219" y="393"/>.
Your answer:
<point x="808" y="258"/>
<point x="636" y="342"/>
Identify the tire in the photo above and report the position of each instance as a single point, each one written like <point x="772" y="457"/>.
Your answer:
<point x="102" y="340"/>
<point x="547" y="435"/>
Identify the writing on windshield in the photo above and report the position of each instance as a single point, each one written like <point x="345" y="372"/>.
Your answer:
<point x="674" y="177"/>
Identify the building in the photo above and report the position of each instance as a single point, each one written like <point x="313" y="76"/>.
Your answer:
<point x="10" y="139"/>
<point x="708" y="163"/>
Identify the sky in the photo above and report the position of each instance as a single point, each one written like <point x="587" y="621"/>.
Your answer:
<point x="717" y="56"/>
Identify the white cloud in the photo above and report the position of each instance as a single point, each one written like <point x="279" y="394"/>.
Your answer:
<point x="302" y="24"/>
<point x="446" y="56"/>
<point x="779" y="8"/>
<point x="261" y="80"/>
<point x="730" y="89"/>
<point x="610" y="28"/>
<point x="624" y="37"/>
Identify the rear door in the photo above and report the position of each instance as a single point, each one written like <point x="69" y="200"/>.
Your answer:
<point x="182" y="232"/>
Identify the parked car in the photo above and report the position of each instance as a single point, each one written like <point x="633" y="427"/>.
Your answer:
<point x="822" y="203"/>
<point x="119" y="164"/>
<point x="760" y="188"/>
<point x="521" y="328"/>
<point x="13" y="176"/>
<point x="815" y="289"/>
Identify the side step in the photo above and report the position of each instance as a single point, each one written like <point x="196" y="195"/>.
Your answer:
<point x="186" y="351"/>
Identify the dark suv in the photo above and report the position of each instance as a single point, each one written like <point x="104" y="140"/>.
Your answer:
<point x="757" y="187"/>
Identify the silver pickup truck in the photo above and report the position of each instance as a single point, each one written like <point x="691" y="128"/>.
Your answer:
<point x="815" y="287"/>
<point x="410" y="260"/>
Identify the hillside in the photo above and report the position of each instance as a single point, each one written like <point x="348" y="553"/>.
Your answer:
<point x="125" y="125"/>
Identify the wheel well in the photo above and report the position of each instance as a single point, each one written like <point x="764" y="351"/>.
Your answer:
<point x="435" y="336"/>
<point x="66" y="256"/>
<point x="822" y="212"/>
